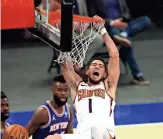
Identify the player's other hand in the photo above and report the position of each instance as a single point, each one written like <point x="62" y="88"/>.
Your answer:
<point x="96" y="17"/>
<point x="119" y="23"/>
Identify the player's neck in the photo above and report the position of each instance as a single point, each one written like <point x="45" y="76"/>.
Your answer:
<point x="91" y="83"/>
<point x="55" y="106"/>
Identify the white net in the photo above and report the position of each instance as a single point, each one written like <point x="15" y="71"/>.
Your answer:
<point x="80" y="42"/>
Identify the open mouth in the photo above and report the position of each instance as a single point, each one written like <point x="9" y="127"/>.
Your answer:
<point x="96" y="73"/>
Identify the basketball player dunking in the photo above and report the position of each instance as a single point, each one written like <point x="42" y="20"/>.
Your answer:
<point x="5" y="110"/>
<point x="95" y="100"/>
<point x="54" y="116"/>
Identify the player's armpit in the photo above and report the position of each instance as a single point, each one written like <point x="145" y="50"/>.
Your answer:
<point x="111" y="88"/>
<point x="39" y="119"/>
<point x="69" y="129"/>
<point x="113" y="75"/>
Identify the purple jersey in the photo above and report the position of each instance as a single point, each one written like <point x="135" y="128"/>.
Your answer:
<point x="57" y="122"/>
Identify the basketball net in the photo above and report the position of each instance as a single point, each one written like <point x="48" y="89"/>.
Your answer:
<point x="81" y="38"/>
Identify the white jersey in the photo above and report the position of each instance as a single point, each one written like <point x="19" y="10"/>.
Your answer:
<point x="94" y="106"/>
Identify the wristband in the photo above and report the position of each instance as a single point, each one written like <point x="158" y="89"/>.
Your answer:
<point x="103" y="31"/>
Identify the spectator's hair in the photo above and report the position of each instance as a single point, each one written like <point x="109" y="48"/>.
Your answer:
<point x="59" y="78"/>
<point x="3" y="95"/>
<point x="98" y="58"/>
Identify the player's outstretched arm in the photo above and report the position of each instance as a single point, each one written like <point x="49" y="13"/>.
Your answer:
<point x="71" y="77"/>
<point x="113" y="64"/>
<point x="39" y="119"/>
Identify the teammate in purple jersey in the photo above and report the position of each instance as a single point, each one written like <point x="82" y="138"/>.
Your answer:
<point x="54" y="116"/>
<point x="5" y="111"/>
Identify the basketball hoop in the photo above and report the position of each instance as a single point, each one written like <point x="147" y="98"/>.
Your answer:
<point x="80" y="41"/>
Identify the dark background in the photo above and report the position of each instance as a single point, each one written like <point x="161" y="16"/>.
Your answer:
<point x="152" y="8"/>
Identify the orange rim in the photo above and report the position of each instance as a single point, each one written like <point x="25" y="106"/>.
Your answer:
<point x="77" y="18"/>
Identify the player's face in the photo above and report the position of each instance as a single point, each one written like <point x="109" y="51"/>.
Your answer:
<point x="96" y="71"/>
<point x="5" y="109"/>
<point x="60" y="93"/>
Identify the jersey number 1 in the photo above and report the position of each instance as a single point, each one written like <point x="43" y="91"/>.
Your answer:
<point x="90" y="105"/>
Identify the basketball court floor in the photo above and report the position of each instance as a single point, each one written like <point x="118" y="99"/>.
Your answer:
<point x="27" y="84"/>
<point x="145" y="131"/>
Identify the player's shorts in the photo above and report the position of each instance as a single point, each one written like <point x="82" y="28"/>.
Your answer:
<point x="101" y="133"/>
<point x="94" y="132"/>
<point x="83" y="135"/>
<point x="94" y="121"/>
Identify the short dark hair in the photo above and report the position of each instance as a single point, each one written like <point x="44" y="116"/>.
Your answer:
<point x="59" y="78"/>
<point x="3" y="95"/>
<point x="98" y="58"/>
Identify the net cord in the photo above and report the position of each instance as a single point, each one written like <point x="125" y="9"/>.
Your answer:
<point x="80" y="42"/>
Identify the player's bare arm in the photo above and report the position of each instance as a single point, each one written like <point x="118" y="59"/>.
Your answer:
<point x="113" y="66"/>
<point x="69" y="129"/>
<point x="39" y="119"/>
<point x="71" y="77"/>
